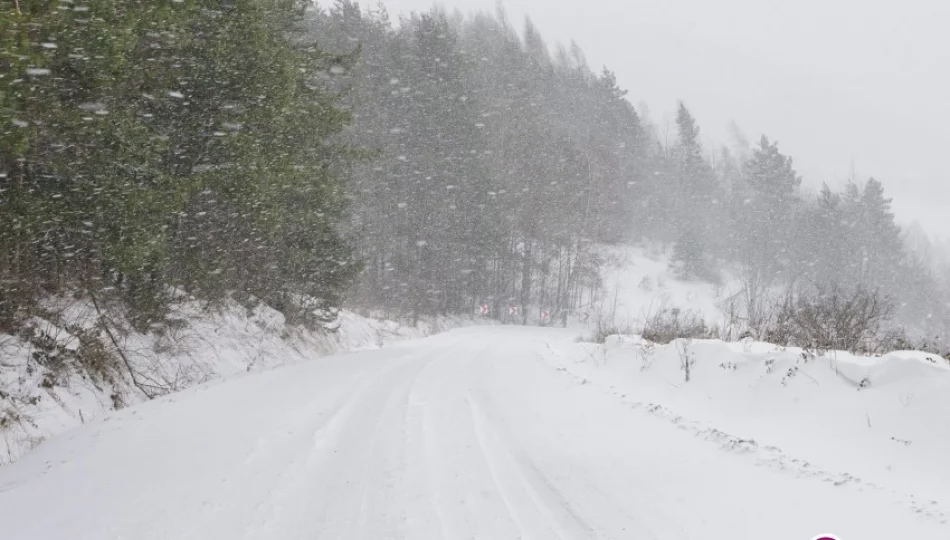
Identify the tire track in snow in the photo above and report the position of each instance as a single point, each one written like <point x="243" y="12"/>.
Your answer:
<point x="274" y="468"/>
<point x="303" y="476"/>
<point x="466" y="499"/>
<point x="549" y="514"/>
<point x="374" y="450"/>
<point x="306" y="447"/>
<point x="418" y="443"/>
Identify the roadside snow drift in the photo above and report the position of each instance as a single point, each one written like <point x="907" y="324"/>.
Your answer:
<point x="48" y="383"/>
<point x="508" y="433"/>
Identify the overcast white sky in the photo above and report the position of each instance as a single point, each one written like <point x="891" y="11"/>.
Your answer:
<point x="831" y="80"/>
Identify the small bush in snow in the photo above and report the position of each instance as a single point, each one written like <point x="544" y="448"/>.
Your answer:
<point x="935" y="345"/>
<point x="687" y="358"/>
<point x="792" y="371"/>
<point x="895" y="340"/>
<point x="646" y="351"/>
<point x="832" y="317"/>
<point x="666" y="325"/>
<point x="606" y="329"/>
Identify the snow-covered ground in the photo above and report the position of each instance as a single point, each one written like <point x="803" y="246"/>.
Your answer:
<point x="45" y="391"/>
<point x="48" y="388"/>
<point x="478" y="433"/>
<point x="878" y="423"/>
<point x="509" y="432"/>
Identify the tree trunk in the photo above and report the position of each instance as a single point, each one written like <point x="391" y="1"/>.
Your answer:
<point x="525" y="282"/>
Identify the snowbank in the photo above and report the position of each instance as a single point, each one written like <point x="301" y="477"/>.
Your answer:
<point x="60" y="375"/>
<point x="883" y="419"/>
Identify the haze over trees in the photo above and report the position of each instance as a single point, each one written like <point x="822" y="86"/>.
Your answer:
<point x="284" y="151"/>
<point x="501" y="162"/>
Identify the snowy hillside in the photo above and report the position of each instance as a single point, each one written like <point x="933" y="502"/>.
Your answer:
<point x="512" y="432"/>
<point x="638" y="283"/>
<point x="57" y="375"/>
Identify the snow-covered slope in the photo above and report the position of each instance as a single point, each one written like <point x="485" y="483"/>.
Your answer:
<point x="878" y="423"/>
<point x="49" y="383"/>
<point x="509" y="432"/>
<point x="638" y="283"/>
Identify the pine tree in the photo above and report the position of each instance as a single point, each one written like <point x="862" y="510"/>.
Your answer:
<point x="697" y="199"/>
<point x="880" y="237"/>
<point x="767" y="198"/>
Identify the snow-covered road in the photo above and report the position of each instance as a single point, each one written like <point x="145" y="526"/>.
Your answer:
<point x="476" y="433"/>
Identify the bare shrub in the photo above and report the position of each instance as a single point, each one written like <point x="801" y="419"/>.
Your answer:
<point x="733" y="327"/>
<point x="687" y="358"/>
<point x="668" y="324"/>
<point x="832" y="317"/>
<point x="935" y="345"/>
<point x="895" y="339"/>
<point x="776" y="324"/>
<point x="608" y="327"/>
<point x="646" y="351"/>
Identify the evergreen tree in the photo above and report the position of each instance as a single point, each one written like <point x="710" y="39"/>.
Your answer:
<point x="696" y="202"/>
<point x="181" y="144"/>
<point x="767" y="199"/>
